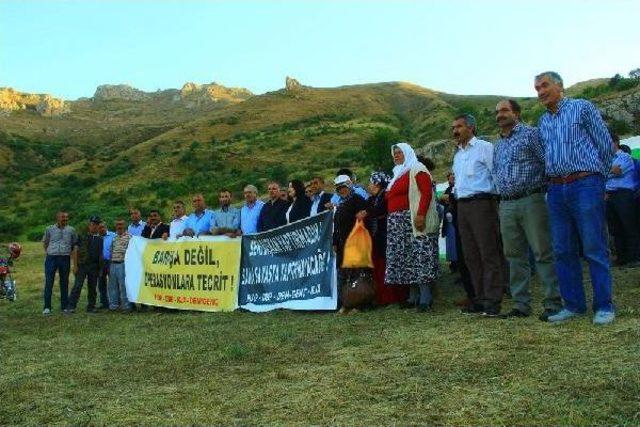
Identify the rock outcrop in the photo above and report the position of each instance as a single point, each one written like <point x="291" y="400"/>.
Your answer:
<point x="292" y="85"/>
<point x="625" y="108"/>
<point x="192" y="95"/>
<point x="124" y="92"/>
<point x="196" y="95"/>
<point x="45" y="105"/>
<point x="50" y="106"/>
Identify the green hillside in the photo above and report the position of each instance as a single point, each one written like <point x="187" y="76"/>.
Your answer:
<point x="107" y="155"/>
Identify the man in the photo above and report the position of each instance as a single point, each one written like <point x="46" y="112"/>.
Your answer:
<point x="343" y="222"/>
<point x="250" y="212"/>
<point x="199" y="221"/>
<point x="58" y="242"/>
<point x="117" y="288"/>
<point x="622" y="210"/>
<point x="524" y="221"/>
<point x="273" y="213"/>
<point x="336" y="199"/>
<point x="176" y="227"/>
<point x="137" y="225"/>
<point x="226" y="220"/>
<point x="578" y="156"/>
<point x="319" y="198"/>
<point x="155" y="229"/>
<point x="87" y="264"/>
<point x="107" y="238"/>
<point x="478" y="216"/>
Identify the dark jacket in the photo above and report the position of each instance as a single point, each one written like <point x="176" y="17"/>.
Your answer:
<point x="324" y="199"/>
<point x="343" y="222"/>
<point x="377" y="223"/>
<point x="300" y="209"/>
<point x="157" y="233"/>
<point x="272" y="215"/>
<point x="90" y="250"/>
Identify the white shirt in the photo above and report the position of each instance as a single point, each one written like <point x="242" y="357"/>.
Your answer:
<point x="177" y="226"/>
<point x="472" y="167"/>
<point x="315" y="205"/>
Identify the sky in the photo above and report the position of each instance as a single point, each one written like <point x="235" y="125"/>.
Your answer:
<point x="68" y="48"/>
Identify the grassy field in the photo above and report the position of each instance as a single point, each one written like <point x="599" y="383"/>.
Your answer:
<point x="383" y="367"/>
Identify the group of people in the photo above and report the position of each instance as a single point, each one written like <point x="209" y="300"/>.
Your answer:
<point x="536" y="194"/>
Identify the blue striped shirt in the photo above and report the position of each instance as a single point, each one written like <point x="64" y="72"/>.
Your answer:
<point x="626" y="180"/>
<point x="576" y="139"/>
<point x="518" y="161"/>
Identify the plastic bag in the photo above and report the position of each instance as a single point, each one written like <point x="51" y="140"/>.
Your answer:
<point x="358" y="248"/>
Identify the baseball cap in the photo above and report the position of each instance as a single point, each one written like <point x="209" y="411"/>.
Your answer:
<point x="95" y="219"/>
<point x="341" y="181"/>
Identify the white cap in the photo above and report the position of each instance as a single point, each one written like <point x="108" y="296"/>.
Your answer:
<point x="342" y="180"/>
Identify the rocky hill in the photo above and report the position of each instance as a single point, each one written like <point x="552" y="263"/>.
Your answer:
<point x="124" y="147"/>
<point x="45" y="105"/>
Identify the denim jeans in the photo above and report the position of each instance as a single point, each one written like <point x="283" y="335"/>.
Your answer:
<point x="577" y="214"/>
<point x="117" y="288"/>
<point x="61" y="264"/>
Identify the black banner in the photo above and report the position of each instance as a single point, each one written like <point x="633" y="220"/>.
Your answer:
<point x="290" y="266"/>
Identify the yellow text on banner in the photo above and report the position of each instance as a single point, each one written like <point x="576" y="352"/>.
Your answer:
<point x="191" y="275"/>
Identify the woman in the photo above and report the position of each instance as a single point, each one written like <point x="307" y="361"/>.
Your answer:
<point x="412" y="228"/>
<point x="300" y="204"/>
<point x="376" y="215"/>
<point x="343" y="222"/>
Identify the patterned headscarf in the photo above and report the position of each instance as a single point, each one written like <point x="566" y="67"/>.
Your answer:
<point x="380" y="178"/>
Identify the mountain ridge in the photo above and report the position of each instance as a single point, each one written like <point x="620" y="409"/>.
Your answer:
<point x="113" y="152"/>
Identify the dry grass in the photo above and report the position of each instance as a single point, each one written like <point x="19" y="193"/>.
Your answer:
<point x="384" y="367"/>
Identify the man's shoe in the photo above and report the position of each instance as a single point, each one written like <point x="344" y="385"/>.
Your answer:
<point x="514" y="313"/>
<point x="491" y="312"/>
<point x="544" y="317"/>
<point x="103" y="307"/>
<point x="562" y="316"/>
<point x="603" y="317"/>
<point x="472" y="309"/>
<point x="46" y="311"/>
<point x="91" y="310"/>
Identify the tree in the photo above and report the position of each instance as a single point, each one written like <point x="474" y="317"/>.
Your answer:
<point x="615" y="80"/>
<point x="634" y="74"/>
<point x="377" y="148"/>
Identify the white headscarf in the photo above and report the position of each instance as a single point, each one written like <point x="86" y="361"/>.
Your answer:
<point x="410" y="160"/>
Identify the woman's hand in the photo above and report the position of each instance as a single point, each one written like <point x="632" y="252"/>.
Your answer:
<point x="361" y="215"/>
<point x="419" y="222"/>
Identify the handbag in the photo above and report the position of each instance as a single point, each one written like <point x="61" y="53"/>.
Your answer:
<point x="358" y="289"/>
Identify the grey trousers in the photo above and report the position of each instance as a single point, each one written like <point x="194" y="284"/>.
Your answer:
<point x="524" y="223"/>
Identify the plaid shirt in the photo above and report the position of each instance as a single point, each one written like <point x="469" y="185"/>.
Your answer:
<point x="518" y="161"/>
